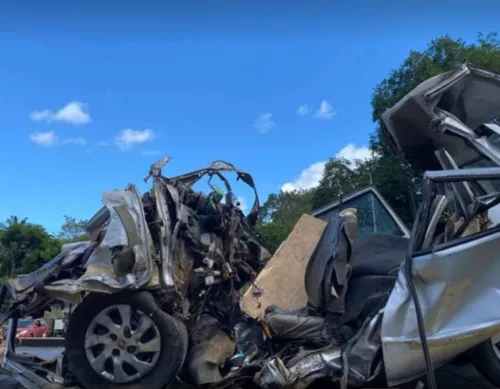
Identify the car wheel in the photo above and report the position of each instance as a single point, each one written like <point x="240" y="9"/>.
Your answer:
<point x="486" y="359"/>
<point x="124" y="341"/>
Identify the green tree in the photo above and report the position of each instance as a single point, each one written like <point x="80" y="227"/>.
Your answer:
<point x="73" y="230"/>
<point x="280" y="213"/>
<point x="24" y="246"/>
<point x="339" y="180"/>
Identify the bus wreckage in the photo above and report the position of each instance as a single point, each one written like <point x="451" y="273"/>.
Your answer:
<point x="158" y="283"/>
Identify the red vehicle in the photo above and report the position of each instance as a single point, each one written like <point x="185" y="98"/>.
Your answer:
<point x="31" y="329"/>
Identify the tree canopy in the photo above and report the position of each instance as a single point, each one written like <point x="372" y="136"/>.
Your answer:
<point x="72" y="229"/>
<point x="388" y="172"/>
<point x="25" y="246"/>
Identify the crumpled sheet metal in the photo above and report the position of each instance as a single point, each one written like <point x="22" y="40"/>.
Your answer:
<point x="220" y="166"/>
<point x="457" y="287"/>
<point x="303" y="370"/>
<point x="358" y="359"/>
<point x="100" y="277"/>
<point x="167" y="239"/>
<point x="410" y="123"/>
<point x="127" y="227"/>
<point x="72" y="251"/>
<point x="25" y="284"/>
<point x="363" y="364"/>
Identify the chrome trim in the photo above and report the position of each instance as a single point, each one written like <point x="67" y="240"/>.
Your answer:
<point x="470" y="174"/>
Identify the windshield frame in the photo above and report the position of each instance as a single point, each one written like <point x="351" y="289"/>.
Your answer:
<point x="398" y="223"/>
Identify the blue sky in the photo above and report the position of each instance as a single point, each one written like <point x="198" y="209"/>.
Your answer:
<point x="89" y="93"/>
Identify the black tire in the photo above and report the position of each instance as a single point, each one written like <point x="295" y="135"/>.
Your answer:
<point x="486" y="361"/>
<point x="173" y="334"/>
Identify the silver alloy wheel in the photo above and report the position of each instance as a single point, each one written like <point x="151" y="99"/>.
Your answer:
<point x="495" y="342"/>
<point x="122" y="344"/>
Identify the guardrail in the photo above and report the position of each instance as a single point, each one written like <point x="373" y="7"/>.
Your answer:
<point x="40" y="342"/>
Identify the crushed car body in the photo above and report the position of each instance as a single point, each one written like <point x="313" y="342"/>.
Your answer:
<point x="159" y="283"/>
<point x="454" y="111"/>
<point x="190" y="251"/>
<point x="437" y="307"/>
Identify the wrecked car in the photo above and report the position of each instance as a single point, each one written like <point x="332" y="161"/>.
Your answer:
<point x="153" y="265"/>
<point x="157" y="283"/>
<point x="385" y="309"/>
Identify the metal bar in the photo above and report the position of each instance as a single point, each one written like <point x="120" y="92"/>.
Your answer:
<point x="471" y="174"/>
<point x="374" y="214"/>
<point x="452" y="78"/>
<point x="463" y="192"/>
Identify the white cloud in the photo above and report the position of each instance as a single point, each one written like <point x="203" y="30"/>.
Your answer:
<point x="309" y="178"/>
<point x="325" y="111"/>
<point x="303" y="110"/>
<point x="45" y="139"/>
<point x="353" y="153"/>
<point x="103" y="143"/>
<point x="49" y="138"/>
<point x="39" y="116"/>
<point x="74" y="141"/>
<point x="264" y="122"/>
<point x="74" y="112"/>
<point x="151" y="152"/>
<point x="129" y="137"/>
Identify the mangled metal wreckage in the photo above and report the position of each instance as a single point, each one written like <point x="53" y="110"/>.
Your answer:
<point x="157" y="282"/>
<point x="152" y="266"/>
